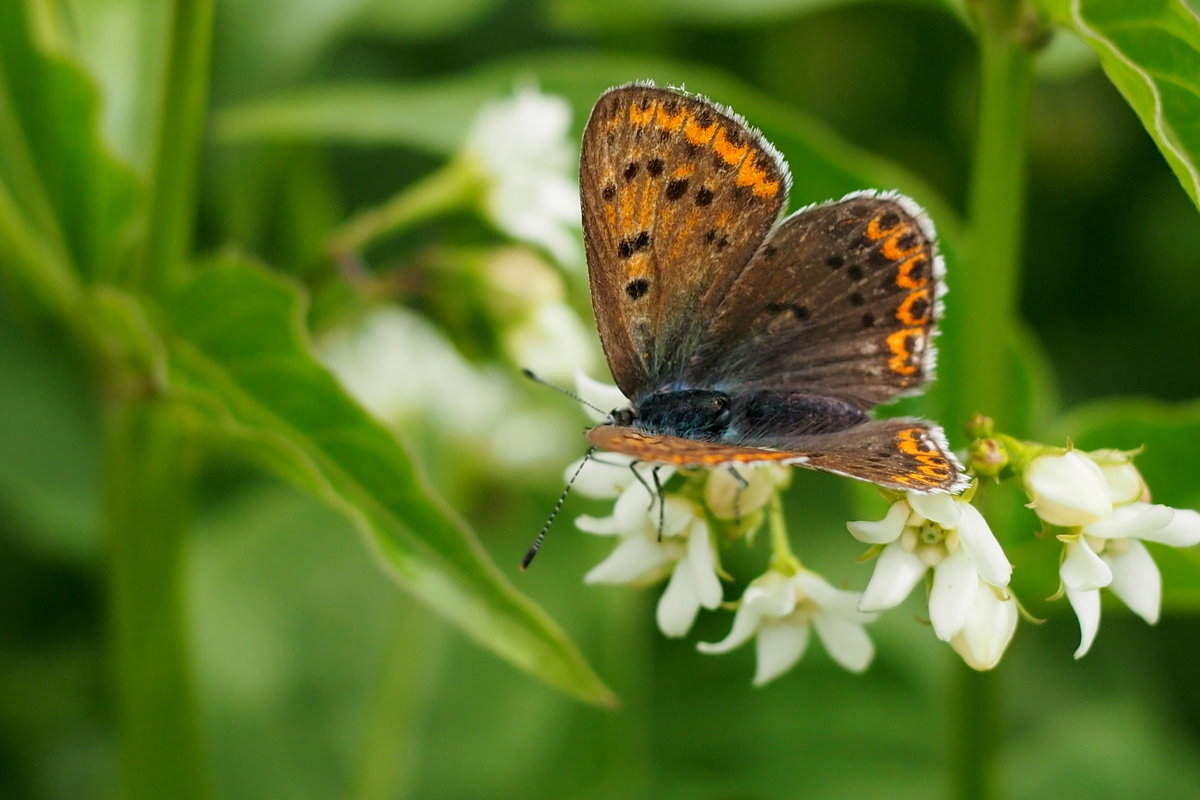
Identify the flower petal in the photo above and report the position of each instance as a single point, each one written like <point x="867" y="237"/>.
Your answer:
<point x="847" y="642"/>
<point x="730" y="498"/>
<point x="1135" y="519"/>
<point x="745" y="624"/>
<point x="1068" y="489"/>
<point x="1136" y="580"/>
<point x="603" y="396"/>
<point x="897" y="571"/>
<point x="988" y="629"/>
<point x="778" y="649"/>
<point x="633" y="558"/>
<point x="954" y="584"/>
<point x="771" y="595"/>
<point x="943" y="509"/>
<point x="881" y="531"/>
<point x="1125" y="483"/>
<point x="826" y="596"/>
<point x="1086" y="603"/>
<point x="703" y="566"/>
<point x="981" y="546"/>
<point x="601" y="526"/>
<point x="601" y="479"/>
<point x="1082" y="569"/>
<point x="1182" y="531"/>
<point x="679" y="604"/>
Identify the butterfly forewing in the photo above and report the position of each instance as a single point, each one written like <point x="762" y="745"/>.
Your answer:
<point x="680" y="194"/>
<point x="841" y="300"/>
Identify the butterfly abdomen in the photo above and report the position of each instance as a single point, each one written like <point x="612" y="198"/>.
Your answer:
<point x="750" y="418"/>
<point x="771" y="418"/>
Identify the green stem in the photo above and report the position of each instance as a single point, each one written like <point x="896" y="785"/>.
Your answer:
<point x="987" y="287"/>
<point x="147" y="480"/>
<point x="972" y="749"/>
<point x="451" y="187"/>
<point x="988" y="280"/>
<point x="177" y="145"/>
<point x="782" y="558"/>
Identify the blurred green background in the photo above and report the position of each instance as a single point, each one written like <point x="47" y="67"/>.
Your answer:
<point x="317" y="678"/>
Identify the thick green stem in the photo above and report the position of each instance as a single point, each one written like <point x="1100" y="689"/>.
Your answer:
<point x="987" y="281"/>
<point x="455" y="185"/>
<point x="986" y="284"/>
<point x="147" y="478"/>
<point x="177" y="145"/>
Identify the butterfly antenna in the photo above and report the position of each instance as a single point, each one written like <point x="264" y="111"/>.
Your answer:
<point x="537" y="543"/>
<point x="528" y="373"/>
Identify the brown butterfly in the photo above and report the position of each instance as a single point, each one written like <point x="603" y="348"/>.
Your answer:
<point x="739" y="337"/>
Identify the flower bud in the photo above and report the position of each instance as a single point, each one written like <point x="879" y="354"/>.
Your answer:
<point x="1068" y="489"/>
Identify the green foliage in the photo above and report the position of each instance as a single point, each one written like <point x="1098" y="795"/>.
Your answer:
<point x="148" y="380"/>
<point x="1151" y="52"/>
<point x="236" y="354"/>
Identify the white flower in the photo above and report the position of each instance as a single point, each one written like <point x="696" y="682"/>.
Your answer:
<point x="780" y="611"/>
<point x="432" y="379"/>
<point x="522" y="144"/>
<point x="1068" y="490"/>
<point x="729" y="498"/>
<point x="943" y="533"/>
<point x="684" y="551"/>
<point x="1102" y="497"/>
<point x="989" y="628"/>
<point x="551" y="341"/>
<point x="1109" y="554"/>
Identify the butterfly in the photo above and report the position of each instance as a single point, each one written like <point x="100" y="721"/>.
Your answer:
<point x="743" y="337"/>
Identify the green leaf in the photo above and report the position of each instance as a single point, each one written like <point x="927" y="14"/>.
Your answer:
<point x="1150" y="50"/>
<point x="236" y="352"/>
<point x="621" y="14"/>
<point x="64" y="195"/>
<point x="435" y="116"/>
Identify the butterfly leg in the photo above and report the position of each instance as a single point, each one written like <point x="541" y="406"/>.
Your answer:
<point x="633" y="465"/>
<point x="658" y="492"/>
<point x="743" y="485"/>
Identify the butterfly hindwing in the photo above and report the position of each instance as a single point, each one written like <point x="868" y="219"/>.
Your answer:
<point x="841" y="300"/>
<point x="679" y="194"/>
<point x="902" y="453"/>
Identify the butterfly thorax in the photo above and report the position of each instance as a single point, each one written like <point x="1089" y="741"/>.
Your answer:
<point x="756" y="417"/>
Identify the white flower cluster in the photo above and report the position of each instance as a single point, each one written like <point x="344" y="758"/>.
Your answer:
<point x="522" y="143"/>
<point x="1097" y="503"/>
<point x="1100" y="499"/>
<point x="969" y="605"/>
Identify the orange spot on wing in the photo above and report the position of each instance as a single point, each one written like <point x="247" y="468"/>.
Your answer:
<point x="729" y="152"/>
<point x="626" y="200"/>
<point x="891" y="248"/>
<point x="905" y="312"/>
<point x="698" y="134"/>
<point x="750" y="175"/>
<point x="640" y="116"/>
<point x="875" y="233"/>
<point x="668" y="122"/>
<point x="904" y="278"/>
<point x="635" y="267"/>
<point x="684" y="171"/>
<point x="648" y="206"/>
<point x="681" y="239"/>
<point x="900" y="343"/>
